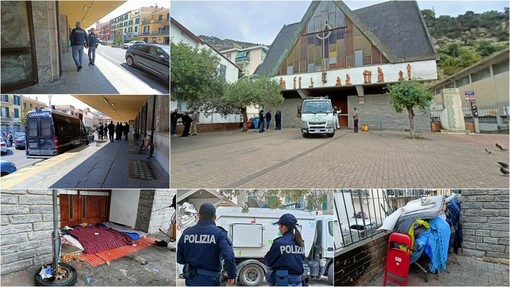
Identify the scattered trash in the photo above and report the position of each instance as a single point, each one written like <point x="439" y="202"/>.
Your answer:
<point x="107" y="262"/>
<point x="46" y="272"/>
<point x="155" y="269"/>
<point x="88" y="280"/>
<point x="141" y="260"/>
<point x="134" y="244"/>
<point x="66" y="258"/>
<point x="123" y="271"/>
<point x="95" y="233"/>
<point x="161" y="243"/>
<point x="78" y="266"/>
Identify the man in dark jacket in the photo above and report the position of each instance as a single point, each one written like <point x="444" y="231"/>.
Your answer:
<point x="186" y="120"/>
<point x="278" y="120"/>
<point x="261" y="121"/>
<point x="118" y="131"/>
<point x="268" y="119"/>
<point x="92" y="43"/>
<point x="126" y="130"/>
<point x="111" y="130"/>
<point x="174" y="117"/>
<point x="78" y="40"/>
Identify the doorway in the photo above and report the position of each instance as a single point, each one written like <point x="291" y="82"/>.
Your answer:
<point x="341" y="104"/>
<point x="78" y="207"/>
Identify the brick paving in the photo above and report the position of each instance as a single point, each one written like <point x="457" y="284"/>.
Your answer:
<point x="460" y="271"/>
<point x="374" y="159"/>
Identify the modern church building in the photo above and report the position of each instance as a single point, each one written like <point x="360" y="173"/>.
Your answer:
<point x="351" y="56"/>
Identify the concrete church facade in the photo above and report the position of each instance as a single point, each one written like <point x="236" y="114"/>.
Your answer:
<point x="351" y="56"/>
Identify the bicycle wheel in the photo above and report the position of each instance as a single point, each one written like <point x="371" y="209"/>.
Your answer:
<point x="149" y="150"/>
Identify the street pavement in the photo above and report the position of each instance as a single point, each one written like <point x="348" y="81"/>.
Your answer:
<point x="18" y="157"/>
<point x="100" y="164"/>
<point x="125" y="271"/>
<point x="460" y="271"/>
<point x="373" y="159"/>
<point x="105" y="77"/>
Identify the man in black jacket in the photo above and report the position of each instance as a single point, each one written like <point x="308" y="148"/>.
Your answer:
<point x="78" y="40"/>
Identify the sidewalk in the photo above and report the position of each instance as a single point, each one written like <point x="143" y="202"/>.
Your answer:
<point x="460" y="271"/>
<point x="102" y="78"/>
<point x="125" y="271"/>
<point x="99" y="165"/>
<point x="374" y="159"/>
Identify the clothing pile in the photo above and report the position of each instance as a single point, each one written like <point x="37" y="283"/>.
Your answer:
<point x="189" y="216"/>
<point x="432" y="229"/>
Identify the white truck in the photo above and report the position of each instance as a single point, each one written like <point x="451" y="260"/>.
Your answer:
<point x="253" y="233"/>
<point x="317" y="117"/>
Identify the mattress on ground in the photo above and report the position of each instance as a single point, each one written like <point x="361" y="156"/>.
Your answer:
<point x="125" y="230"/>
<point x="432" y="211"/>
<point x="97" y="238"/>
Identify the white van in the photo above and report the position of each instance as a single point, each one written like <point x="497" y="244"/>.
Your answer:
<point x="317" y="117"/>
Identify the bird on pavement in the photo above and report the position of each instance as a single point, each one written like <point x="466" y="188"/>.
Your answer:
<point x="503" y="164"/>
<point x="500" y="147"/>
<point x="488" y="151"/>
<point x="504" y="171"/>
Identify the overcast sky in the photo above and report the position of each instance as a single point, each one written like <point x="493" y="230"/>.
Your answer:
<point x="260" y="21"/>
<point x="60" y="100"/>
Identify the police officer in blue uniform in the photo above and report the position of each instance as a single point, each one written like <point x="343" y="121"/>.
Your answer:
<point x="287" y="254"/>
<point x="78" y="40"/>
<point x="201" y="249"/>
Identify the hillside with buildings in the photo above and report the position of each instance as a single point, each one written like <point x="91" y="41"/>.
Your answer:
<point x="226" y="44"/>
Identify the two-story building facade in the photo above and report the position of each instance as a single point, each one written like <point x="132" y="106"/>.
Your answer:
<point x="103" y="31"/>
<point x="351" y="57"/>
<point x="126" y="25"/>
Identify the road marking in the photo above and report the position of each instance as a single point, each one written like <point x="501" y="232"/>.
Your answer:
<point x="104" y="55"/>
<point x="20" y="176"/>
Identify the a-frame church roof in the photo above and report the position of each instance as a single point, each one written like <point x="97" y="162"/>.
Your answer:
<point x="396" y="28"/>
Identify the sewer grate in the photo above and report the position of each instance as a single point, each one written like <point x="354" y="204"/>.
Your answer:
<point x="141" y="169"/>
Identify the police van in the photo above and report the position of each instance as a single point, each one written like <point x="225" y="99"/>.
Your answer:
<point x="50" y="132"/>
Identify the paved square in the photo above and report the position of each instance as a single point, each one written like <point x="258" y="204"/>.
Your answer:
<point x="374" y="159"/>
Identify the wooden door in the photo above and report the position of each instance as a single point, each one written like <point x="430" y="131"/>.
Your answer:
<point x="78" y="207"/>
<point x="341" y="104"/>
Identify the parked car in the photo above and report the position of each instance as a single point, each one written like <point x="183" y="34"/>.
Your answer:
<point x="152" y="58"/>
<point x="19" y="142"/>
<point x="7" y="167"/>
<point x="129" y="44"/>
<point x="3" y="146"/>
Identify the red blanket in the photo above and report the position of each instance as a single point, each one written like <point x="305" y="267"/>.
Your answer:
<point x="95" y="238"/>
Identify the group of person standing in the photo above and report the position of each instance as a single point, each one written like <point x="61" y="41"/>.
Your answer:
<point x="80" y="40"/>
<point x="203" y="247"/>
<point x="190" y="120"/>
<point x="267" y="119"/>
<point x="112" y="131"/>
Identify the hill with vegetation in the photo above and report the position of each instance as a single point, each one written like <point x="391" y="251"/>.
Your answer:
<point x="466" y="39"/>
<point x="226" y="44"/>
<point x="460" y="41"/>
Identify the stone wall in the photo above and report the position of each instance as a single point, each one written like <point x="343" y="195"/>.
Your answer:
<point x="153" y="211"/>
<point x="378" y="114"/>
<point x="485" y="223"/>
<point x="206" y="128"/>
<point x="46" y="39"/>
<point x="360" y="264"/>
<point x="26" y="227"/>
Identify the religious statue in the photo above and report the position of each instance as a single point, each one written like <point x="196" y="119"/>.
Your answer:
<point x="311" y="83"/>
<point x="367" y="77"/>
<point x="282" y="84"/>
<point x="409" y="72"/>
<point x="294" y="82"/>
<point x="347" y="79"/>
<point x="300" y="82"/>
<point x="400" y="75"/>
<point x="380" y="75"/>
<point x="338" y="82"/>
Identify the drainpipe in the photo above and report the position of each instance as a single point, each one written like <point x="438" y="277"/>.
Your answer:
<point x="56" y="236"/>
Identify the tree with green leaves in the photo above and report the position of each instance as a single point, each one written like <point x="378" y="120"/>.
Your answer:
<point x="407" y="95"/>
<point x="261" y="91"/>
<point x="194" y="75"/>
